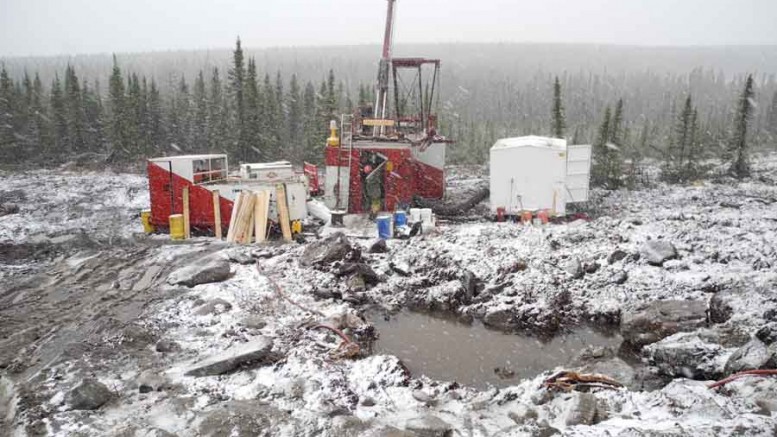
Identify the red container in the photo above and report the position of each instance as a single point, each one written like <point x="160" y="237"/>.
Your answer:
<point x="543" y="216"/>
<point x="500" y="214"/>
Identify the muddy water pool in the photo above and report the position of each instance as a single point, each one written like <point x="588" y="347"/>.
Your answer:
<point x="450" y="350"/>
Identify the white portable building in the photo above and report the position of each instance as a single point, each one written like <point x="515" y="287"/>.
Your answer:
<point x="535" y="173"/>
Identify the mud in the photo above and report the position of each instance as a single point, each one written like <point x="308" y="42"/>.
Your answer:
<point x="473" y="355"/>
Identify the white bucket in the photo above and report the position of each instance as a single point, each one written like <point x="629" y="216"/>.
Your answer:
<point x="427" y="219"/>
<point x="415" y="215"/>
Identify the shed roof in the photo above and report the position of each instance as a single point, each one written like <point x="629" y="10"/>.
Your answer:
<point x="531" y="141"/>
<point x="188" y="157"/>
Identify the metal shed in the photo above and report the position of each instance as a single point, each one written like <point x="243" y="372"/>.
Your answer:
<point x="535" y="173"/>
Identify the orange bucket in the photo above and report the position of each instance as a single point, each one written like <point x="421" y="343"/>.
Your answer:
<point x="543" y="216"/>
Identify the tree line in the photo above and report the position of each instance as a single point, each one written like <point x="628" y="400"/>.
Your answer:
<point x="684" y="154"/>
<point x="250" y="117"/>
<point x="254" y="112"/>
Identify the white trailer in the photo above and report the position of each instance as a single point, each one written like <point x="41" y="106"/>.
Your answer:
<point x="538" y="173"/>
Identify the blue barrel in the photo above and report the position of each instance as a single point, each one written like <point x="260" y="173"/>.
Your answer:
<point x="400" y="218"/>
<point x="384" y="226"/>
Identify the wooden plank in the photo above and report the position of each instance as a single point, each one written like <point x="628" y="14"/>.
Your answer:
<point x="186" y="228"/>
<point x="283" y="211"/>
<point x="244" y="218"/>
<point x="261" y="209"/>
<point x="217" y="214"/>
<point x="233" y="218"/>
<point x="251" y="221"/>
<point x="377" y="122"/>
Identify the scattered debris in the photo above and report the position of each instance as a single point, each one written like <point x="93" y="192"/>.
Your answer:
<point x="566" y="380"/>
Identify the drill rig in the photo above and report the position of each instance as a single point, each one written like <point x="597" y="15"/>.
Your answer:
<point x="391" y="151"/>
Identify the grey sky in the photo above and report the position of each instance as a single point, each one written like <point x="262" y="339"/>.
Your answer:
<point x="45" y="27"/>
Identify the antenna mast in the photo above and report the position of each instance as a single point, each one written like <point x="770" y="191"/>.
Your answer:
<point x="381" y="95"/>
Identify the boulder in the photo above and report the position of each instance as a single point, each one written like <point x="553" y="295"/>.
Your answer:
<point x="429" y="426"/>
<point x="694" y="355"/>
<point x="246" y="419"/>
<point x="591" y="267"/>
<point x="471" y="284"/>
<point x="213" y="306"/>
<point x="8" y="209"/>
<point x="662" y="319"/>
<point x="721" y="305"/>
<point x="445" y="297"/>
<point x="332" y="248"/>
<point x="256" y="352"/>
<point x="522" y="414"/>
<point x="253" y="321"/>
<point x="424" y="397"/>
<point x="149" y="381"/>
<point x="620" y="277"/>
<point x="656" y="252"/>
<point x="500" y="318"/>
<point x="753" y="355"/>
<point x="616" y="256"/>
<point x="579" y="409"/>
<point x="378" y="246"/>
<point x="767" y="333"/>
<point x="359" y="269"/>
<point x="573" y="267"/>
<point x="90" y="394"/>
<point x="207" y="270"/>
<point x="165" y="346"/>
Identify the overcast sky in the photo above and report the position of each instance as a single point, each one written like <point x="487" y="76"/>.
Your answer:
<point x="46" y="27"/>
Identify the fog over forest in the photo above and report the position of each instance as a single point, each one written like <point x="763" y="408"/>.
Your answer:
<point x="488" y="91"/>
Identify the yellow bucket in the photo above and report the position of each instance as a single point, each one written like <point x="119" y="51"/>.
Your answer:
<point x="145" y="218"/>
<point x="176" y="227"/>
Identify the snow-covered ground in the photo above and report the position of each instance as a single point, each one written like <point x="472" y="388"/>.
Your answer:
<point x="139" y="335"/>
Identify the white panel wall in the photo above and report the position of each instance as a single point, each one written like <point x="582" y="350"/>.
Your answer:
<point x="527" y="178"/>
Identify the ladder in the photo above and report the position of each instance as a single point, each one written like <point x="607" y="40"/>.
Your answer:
<point x="346" y="138"/>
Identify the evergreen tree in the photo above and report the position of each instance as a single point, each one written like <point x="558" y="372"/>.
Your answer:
<point x="252" y="130"/>
<point x="294" y="123"/>
<point x="771" y="122"/>
<point x="616" y="127"/>
<point x="606" y="169"/>
<point x="180" y="118"/>
<point x="117" y="130"/>
<point x="156" y="129"/>
<point x="200" y="125"/>
<point x="312" y="127"/>
<point x="738" y="150"/>
<point x="42" y="128"/>
<point x="93" y="116"/>
<point x="236" y="85"/>
<point x="134" y="115"/>
<point x="678" y="151"/>
<point x="220" y="135"/>
<point x="8" y="143"/>
<point x="75" y="116"/>
<point x="559" y="122"/>
<point x="58" y="117"/>
<point x="270" y="114"/>
<point x="281" y="119"/>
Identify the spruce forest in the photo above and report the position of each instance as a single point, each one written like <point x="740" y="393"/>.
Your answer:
<point x="271" y="104"/>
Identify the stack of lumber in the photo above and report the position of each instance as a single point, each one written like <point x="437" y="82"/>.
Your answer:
<point x="250" y="216"/>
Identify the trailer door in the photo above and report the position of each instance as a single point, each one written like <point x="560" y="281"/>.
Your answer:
<point x="578" y="172"/>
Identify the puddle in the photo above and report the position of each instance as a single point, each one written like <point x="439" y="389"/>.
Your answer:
<point x="449" y="350"/>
